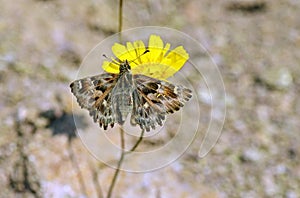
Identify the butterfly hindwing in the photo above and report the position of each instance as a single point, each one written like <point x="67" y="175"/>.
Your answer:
<point x="94" y="94"/>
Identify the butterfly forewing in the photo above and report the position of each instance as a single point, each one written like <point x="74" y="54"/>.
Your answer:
<point x="94" y="94"/>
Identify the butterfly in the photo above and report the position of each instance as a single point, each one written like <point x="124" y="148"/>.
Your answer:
<point x="110" y="98"/>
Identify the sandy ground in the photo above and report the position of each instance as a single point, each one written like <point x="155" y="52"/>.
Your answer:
<point x="256" y="45"/>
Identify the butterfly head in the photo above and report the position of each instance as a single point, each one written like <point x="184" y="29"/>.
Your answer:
<point x="124" y="67"/>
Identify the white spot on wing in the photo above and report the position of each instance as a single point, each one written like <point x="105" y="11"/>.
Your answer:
<point x="146" y="105"/>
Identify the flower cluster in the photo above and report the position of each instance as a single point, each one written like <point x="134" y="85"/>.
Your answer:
<point x="159" y="62"/>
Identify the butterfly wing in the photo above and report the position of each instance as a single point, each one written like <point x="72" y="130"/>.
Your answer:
<point x="94" y="94"/>
<point x="153" y="99"/>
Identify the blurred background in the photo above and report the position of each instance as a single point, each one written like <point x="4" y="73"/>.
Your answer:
<point x="256" y="44"/>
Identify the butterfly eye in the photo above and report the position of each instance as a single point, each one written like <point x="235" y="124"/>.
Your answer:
<point x="127" y="64"/>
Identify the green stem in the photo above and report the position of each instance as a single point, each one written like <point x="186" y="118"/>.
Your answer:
<point x="113" y="183"/>
<point x="137" y="143"/>
<point x="122" y="158"/>
<point x="120" y="19"/>
<point x="120" y="15"/>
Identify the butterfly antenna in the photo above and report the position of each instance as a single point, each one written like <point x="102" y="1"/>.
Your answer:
<point x="112" y="60"/>
<point x="145" y="52"/>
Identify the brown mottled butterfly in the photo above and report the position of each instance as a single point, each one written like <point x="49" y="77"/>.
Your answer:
<point x="110" y="98"/>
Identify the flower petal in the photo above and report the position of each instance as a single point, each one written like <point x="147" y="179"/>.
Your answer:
<point x="154" y="70"/>
<point x="110" y="67"/>
<point x="121" y="52"/>
<point x="136" y="50"/>
<point x="175" y="59"/>
<point x="155" y="46"/>
<point x="140" y="48"/>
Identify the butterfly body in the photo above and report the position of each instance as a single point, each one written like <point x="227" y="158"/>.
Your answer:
<point x="121" y="96"/>
<point x="110" y="98"/>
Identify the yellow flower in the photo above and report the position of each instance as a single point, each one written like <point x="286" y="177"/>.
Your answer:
<point x="157" y="63"/>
